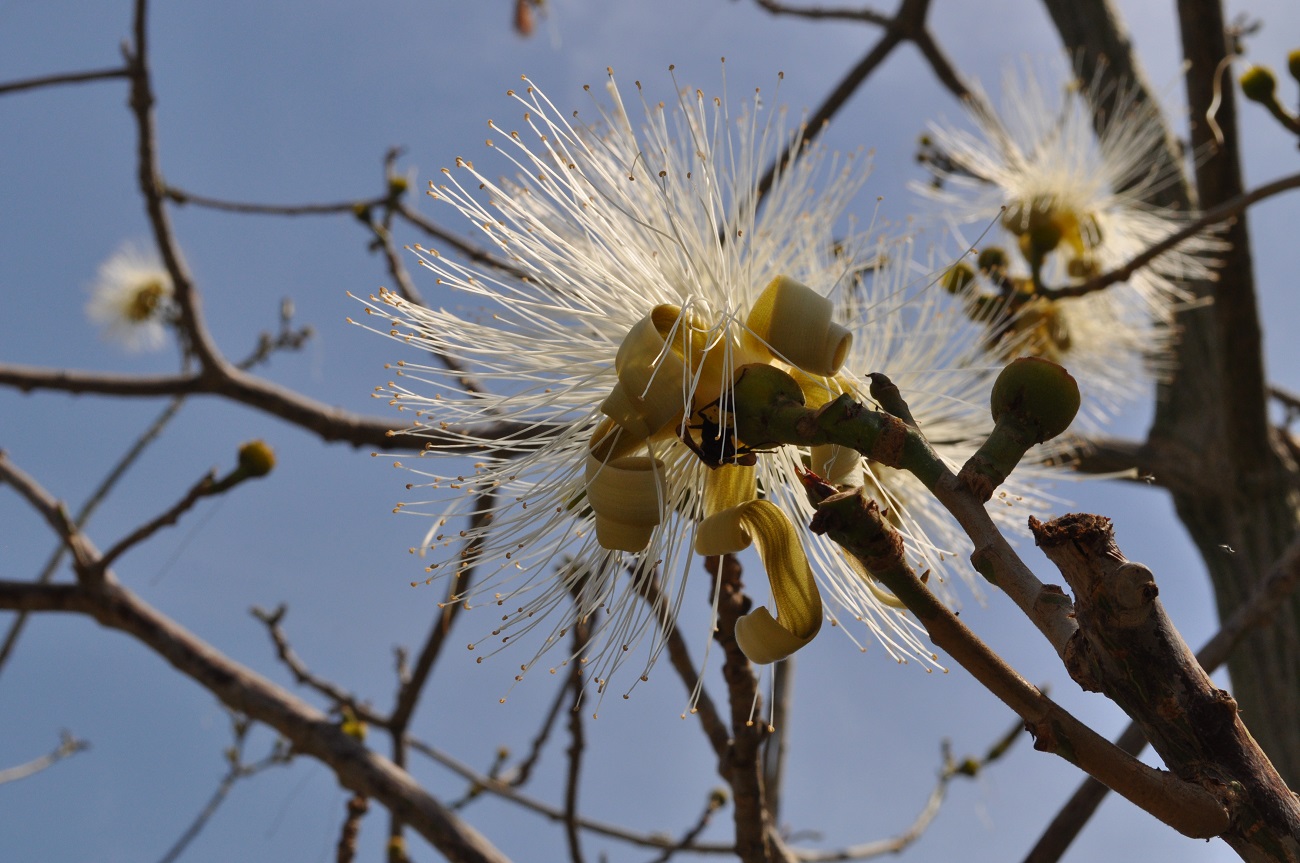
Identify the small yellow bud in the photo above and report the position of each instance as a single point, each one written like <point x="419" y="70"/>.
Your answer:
<point x="256" y="458"/>
<point x="397" y="185"/>
<point x="354" y="728"/>
<point x="1258" y="84"/>
<point x="718" y="798"/>
<point x="1293" y="63"/>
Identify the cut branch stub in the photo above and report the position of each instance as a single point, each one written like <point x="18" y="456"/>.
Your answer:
<point x="1128" y="648"/>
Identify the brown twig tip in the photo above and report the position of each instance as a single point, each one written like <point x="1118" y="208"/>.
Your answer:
<point x="1080" y="528"/>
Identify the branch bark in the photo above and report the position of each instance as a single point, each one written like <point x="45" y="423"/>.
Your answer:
<point x="1128" y="648"/>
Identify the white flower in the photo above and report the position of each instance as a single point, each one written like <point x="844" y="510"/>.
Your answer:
<point x="1069" y="204"/>
<point x="132" y="299"/>
<point x="652" y="276"/>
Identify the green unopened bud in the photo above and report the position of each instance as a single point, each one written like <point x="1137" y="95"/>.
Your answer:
<point x="1038" y="393"/>
<point x="1259" y="85"/>
<point x="992" y="258"/>
<point x="1033" y="400"/>
<point x="1042" y="237"/>
<point x="362" y="212"/>
<point x="397" y="185"/>
<point x="968" y="767"/>
<point x="718" y="798"/>
<point x="256" y="458"/>
<point x="957" y="277"/>
<point x="1293" y="63"/>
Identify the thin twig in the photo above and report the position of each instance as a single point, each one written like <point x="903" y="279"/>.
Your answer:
<point x="504" y="790"/>
<point x="1211" y="217"/>
<point x="717" y="799"/>
<point x="63" y="78"/>
<point x="680" y="658"/>
<point x="83" y="515"/>
<point x="182" y="197"/>
<point x="867" y="16"/>
<point x="205" y="487"/>
<point x="471" y="252"/>
<point x="68" y="746"/>
<point x="577" y="742"/>
<point x="328" y="423"/>
<point x="237" y="770"/>
<point x="303" y="675"/>
<point x="967" y="767"/>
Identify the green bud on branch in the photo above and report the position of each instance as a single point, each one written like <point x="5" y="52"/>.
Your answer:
<point x="1033" y="401"/>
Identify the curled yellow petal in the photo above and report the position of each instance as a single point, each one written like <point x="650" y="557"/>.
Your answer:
<point x="626" y="496"/>
<point x="762" y="637"/>
<point x="729" y="486"/>
<point x="795" y="322"/>
<point x="652" y="379"/>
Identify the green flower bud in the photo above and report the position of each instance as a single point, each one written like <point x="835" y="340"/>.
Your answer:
<point x="718" y="798"/>
<point x="1258" y="84"/>
<point x="1033" y="400"/>
<point x="1293" y="63"/>
<point x="256" y="458"/>
<point x="1039" y="393"/>
<point x="992" y="258"/>
<point x="397" y="185"/>
<point x="957" y="277"/>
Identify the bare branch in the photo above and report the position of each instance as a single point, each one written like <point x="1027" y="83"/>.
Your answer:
<point x="577" y="743"/>
<point x="83" y="551"/>
<point x="328" y="423"/>
<point x="310" y="732"/>
<point x="347" y="847"/>
<point x="856" y="524"/>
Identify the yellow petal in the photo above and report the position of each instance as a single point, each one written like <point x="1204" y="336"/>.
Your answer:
<point x="729" y="486"/>
<point x="763" y="640"/>
<point x="795" y="323"/>
<point x="838" y="465"/>
<point x="652" y="379"/>
<point x="762" y="637"/>
<point x="626" y="496"/>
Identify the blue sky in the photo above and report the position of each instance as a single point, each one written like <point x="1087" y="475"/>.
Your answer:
<point x="292" y="103"/>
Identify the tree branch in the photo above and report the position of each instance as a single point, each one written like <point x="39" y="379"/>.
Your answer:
<point x="856" y="524"/>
